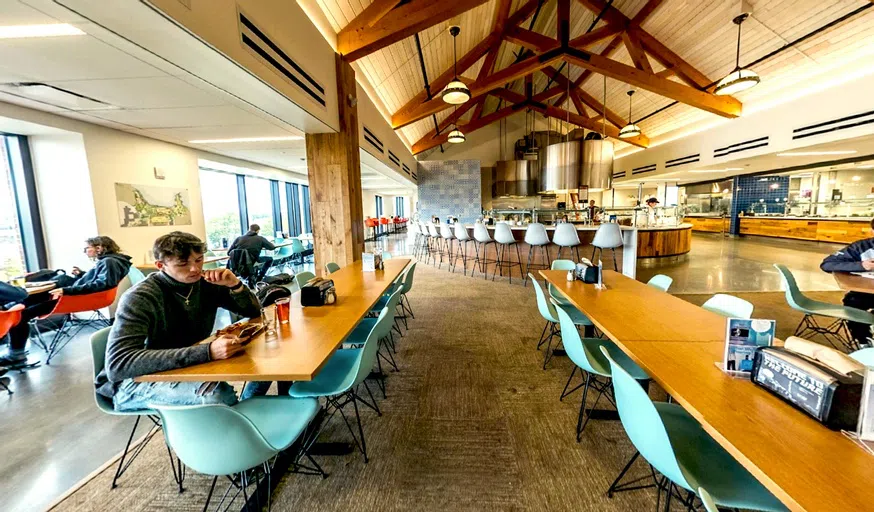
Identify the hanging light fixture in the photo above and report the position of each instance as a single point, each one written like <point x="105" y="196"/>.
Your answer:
<point x="456" y="92"/>
<point x="740" y="79"/>
<point x="456" y="136"/>
<point x="630" y="130"/>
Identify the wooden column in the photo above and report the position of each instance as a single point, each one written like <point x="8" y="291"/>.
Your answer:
<point x="334" y="169"/>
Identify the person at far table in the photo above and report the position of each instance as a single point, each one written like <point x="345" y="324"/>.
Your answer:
<point x="856" y="257"/>
<point x="593" y="210"/>
<point x="253" y="243"/>
<point x="160" y="321"/>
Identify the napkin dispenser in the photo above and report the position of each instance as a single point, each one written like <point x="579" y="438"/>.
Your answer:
<point x="587" y="273"/>
<point x="318" y="292"/>
<point x="830" y="397"/>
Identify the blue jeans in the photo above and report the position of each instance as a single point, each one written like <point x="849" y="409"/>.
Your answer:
<point x="261" y="389"/>
<point x="132" y="396"/>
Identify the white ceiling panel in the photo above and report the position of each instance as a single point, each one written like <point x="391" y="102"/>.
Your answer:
<point x="288" y="159"/>
<point x="230" y="132"/>
<point x="24" y="102"/>
<point x="15" y="13"/>
<point x="143" y="93"/>
<point x="180" y="117"/>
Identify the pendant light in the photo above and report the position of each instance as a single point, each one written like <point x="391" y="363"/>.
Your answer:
<point x="630" y="130"/>
<point x="456" y="136"/>
<point x="456" y="92"/>
<point x="739" y="79"/>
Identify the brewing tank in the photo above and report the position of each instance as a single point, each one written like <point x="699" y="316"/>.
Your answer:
<point x="561" y="167"/>
<point x="597" y="168"/>
<point x="515" y="178"/>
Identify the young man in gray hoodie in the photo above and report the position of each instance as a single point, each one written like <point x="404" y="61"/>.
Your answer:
<point x="160" y="321"/>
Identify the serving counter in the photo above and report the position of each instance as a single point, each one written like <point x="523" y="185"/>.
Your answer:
<point x="833" y="229"/>
<point x="708" y="223"/>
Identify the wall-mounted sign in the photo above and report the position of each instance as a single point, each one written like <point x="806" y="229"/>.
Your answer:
<point x="142" y="205"/>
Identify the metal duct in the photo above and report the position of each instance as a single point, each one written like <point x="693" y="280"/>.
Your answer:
<point x="515" y="178"/>
<point x="597" y="168"/>
<point x="562" y="167"/>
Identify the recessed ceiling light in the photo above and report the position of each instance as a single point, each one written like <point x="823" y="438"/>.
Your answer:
<point x="734" y="168"/>
<point x="865" y="166"/>
<point x="46" y="30"/>
<point x="818" y="153"/>
<point x="245" y="139"/>
<point x="857" y="178"/>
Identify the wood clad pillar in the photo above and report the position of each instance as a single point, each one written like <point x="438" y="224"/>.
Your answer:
<point x="334" y="169"/>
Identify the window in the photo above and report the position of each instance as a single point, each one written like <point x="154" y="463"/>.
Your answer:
<point x="283" y="207"/>
<point x="399" y="206"/>
<point x="293" y="193"/>
<point x="305" y="209"/>
<point x="259" y="204"/>
<point x="11" y="244"/>
<point x="379" y="211"/>
<point x="221" y="207"/>
<point x="22" y="247"/>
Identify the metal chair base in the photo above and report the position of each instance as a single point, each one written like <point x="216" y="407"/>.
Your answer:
<point x="507" y="262"/>
<point x="836" y="333"/>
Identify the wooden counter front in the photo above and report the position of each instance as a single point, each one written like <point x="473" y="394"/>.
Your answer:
<point x="658" y="243"/>
<point x="709" y="224"/>
<point x="819" y="230"/>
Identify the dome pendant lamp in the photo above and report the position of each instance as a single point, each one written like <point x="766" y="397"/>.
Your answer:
<point x="630" y="130"/>
<point x="456" y="136"/>
<point x="456" y="92"/>
<point x="739" y="79"/>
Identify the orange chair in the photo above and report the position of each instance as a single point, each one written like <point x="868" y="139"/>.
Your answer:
<point x="70" y="304"/>
<point x="384" y="222"/>
<point x="8" y="320"/>
<point x="372" y="223"/>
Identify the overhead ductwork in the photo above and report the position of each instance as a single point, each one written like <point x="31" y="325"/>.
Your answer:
<point x="597" y="167"/>
<point x="561" y="167"/>
<point x="515" y="178"/>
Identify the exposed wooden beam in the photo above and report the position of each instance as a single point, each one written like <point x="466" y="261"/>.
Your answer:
<point x="563" y="21"/>
<point x="480" y="87"/>
<point x="584" y="97"/>
<point x="669" y="72"/>
<point x="725" y="106"/>
<point x="611" y="14"/>
<point x="371" y="14"/>
<point x="428" y="142"/>
<point x="595" y="36"/>
<point x="523" y="13"/>
<point x="645" y="11"/>
<point x="578" y="83"/>
<point x="398" y="24"/>
<point x="454" y="117"/>
<point x="502" y="13"/>
<point x="635" y="50"/>
<point x="578" y="104"/>
<point x="552" y="92"/>
<point x="669" y="59"/>
<point x="530" y="39"/>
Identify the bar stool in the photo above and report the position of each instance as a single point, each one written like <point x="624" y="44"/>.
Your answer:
<point x="433" y="243"/>
<point x="566" y="236"/>
<point x="482" y="239"/>
<point x="421" y="243"/>
<point x="535" y="236"/>
<point x="446" y="248"/>
<point x="608" y="236"/>
<point x="463" y="238"/>
<point x="504" y="238"/>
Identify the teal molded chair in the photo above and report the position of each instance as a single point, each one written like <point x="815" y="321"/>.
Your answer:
<point x="408" y="286"/>
<point x="547" y="311"/>
<point x="98" y="360"/>
<point x="677" y="447"/>
<point x="331" y="267"/>
<point x="221" y="440"/>
<point x="297" y="250"/>
<point x="661" y="282"/>
<point x="864" y="356"/>
<point x="345" y="371"/>
<point x="386" y="255"/>
<point x="282" y="256"/>
<point x="707" y="500"/>
<point x="836" y="332"/>
<point x="553" y="292"/>
<point x="405" y="282"/>
<point x="729" y="305"/>
<point x="303" y="278"/>
<point x="586" y="356"/>
<point x="391" y="299"/>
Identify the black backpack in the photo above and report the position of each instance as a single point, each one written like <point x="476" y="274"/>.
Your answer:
<point x="279" y="279"/>
<point x="270" y="293"/>
<point x="43" y="275"/>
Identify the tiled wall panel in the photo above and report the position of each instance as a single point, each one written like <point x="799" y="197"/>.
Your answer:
<point x="759" y="194"/>
<point x="450" y="188"/>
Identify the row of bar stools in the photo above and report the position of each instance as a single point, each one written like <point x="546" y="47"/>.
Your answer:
<point x="504" y="239"/>
<point x="462" y="237"/>
<point x="482" y="240"/>
<point x="536" y="237"/>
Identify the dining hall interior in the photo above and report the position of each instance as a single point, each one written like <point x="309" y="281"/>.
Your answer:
<point x="597" y="255"/>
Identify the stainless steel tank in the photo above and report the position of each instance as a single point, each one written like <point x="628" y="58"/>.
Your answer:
<point x="515" y="178"/>
<point x="561" y="168"/>
<point x="597" y="168"/>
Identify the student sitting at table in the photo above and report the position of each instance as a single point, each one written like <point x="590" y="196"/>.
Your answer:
<point x="253" y="243"/>
<point x="160" y="321"/>
<point x="856" y="257"/>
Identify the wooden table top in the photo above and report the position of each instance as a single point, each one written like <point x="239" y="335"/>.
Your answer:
<point x="853" y="283"/>
<point x="807" y="466"/>
<point x="630" y="310"/>
<point x="44" y="287"/>
<point x="307" y="341"/>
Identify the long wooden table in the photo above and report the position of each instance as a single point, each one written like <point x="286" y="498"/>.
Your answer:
<point x="303" y="345"/>
<point x="853" y="283"/>
<point x="807" y="466"/>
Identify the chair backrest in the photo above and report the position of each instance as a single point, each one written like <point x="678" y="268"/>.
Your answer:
<point x="386" y="255"/>
<point x="707" y="500"/>
<point x="660" y="282"/>
<point x="381" y="329"/>
<point x="10" y="318"/>
<point x="303" y="278"/>
<point x="123" y="286"/>
<point x="331" y="267"/>
<point x="297" y="246"/>
<point x="566" y="235"/>
<point x="408" y="279"/>
<point x="135" y="275"/>
<point x="580" y="354"/>
<point x="481" y="233"/>
<point x="83" y="303"/>
<point x="608" y="236"/>
<point x="446" y="231"/>
<point x="793" y="295"/>
<point x="503" y="233"/>
<point x="432" y="231"/>
<point x="643" y="424"/>
<point x="729" y="305"/>
<point x="563" y="265"/>
<point x="864" y="356"/>
<point x="547" y="310"/>
<point x="535" y="234"/>
<point x="283" y="252"/>
<point x="461" y="232"/>
<point x="98" y="361"/>
<point x="214" y="439"/>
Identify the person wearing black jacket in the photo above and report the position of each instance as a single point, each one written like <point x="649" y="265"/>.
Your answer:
<point x="253" y="243"/>
<point x="856" y="257"/>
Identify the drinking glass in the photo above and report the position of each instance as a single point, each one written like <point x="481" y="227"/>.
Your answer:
<point x="283" y="307"/>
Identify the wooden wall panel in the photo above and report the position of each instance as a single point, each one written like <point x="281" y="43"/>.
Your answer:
<point x="842" y="231"/>
<point x="708" y="224"/>
<point x="835" y="231"/>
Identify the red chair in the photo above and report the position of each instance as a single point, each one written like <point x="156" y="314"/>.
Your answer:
<point x="69" y="328"/>
<point x="8" y="320"/>
<point x="372" y="223"/>
<point x="384" y="222"/>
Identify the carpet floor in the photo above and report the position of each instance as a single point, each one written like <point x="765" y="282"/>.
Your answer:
<point x="471" y="422"/>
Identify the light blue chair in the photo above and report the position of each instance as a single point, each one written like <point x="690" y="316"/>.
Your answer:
<point x="586" y="356"/>
<point x="297" y="250"/>
<point x="660" y="282"/>
<point x="729" y="306"/>
<point x="302" y="278"/>
<point x="864" y="356"/>
<point x="386" y="255"/>
<point x="135" y="275"/>
<point x="282" y="257"/>
<point x="836" y="332"/>
<point x="707" y="500"/>
<point x="219" y="440"/>
<point x="408" y="287"/>
<point x="392" y="302"/>
<point x="677" y="447"/>
<point x="404" y="283"/>
<point x="98" y="360"/>
<point x="553" y="292"/>
<point x="344" y="372"/>
<point x="547" y="311"/>
<point x="331" y="267"/>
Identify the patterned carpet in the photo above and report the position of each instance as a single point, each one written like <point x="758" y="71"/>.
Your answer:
<point x="471" y="422"/>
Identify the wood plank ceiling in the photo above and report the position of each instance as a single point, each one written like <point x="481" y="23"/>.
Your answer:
<point x="695" y="39"/>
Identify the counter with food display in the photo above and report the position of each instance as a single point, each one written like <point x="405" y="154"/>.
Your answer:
<point x="708" y="223"/>
<point x="820" y="229"/>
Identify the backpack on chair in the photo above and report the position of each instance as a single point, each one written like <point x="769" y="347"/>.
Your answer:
<point x="268" y="294"/>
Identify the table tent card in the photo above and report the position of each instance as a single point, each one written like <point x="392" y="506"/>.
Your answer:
<point x="742" y="337"/>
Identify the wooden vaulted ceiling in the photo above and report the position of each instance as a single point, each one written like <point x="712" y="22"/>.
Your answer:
<point x="550" y="55"/>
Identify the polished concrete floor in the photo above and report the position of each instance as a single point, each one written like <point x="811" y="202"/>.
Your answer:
<point x="54" y="436"/>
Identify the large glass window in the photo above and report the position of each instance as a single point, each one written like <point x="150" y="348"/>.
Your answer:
<point x="379" y="211"/>
<point x="221" y="207"/>
<point x="399" y="206"/>
<point x="260" y="205"/>
<point x="11" y="244"/>
<point x="305" y="209"/>
<point x="283" y="208"/>
<point x="22" y="247"/>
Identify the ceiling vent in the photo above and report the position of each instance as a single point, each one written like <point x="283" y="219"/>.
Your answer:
<point x="683" y="160"/>
<point x="394" y="158"/>
<point x="373" y="140"/>
<point x="55" y="96"/>
<point x="834" y="125"/>
<point x="644" y="169"/>
<point x="741" y="146"/>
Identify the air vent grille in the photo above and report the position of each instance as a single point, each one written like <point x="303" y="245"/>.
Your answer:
<point x="741" y="146"/>
<point x="644" y="169"/>
<point x="256" y="42"/>
<point x="683" y="161"/>
<point x="620" y="174"/>
<point x="406" y="169"/>
<point x="394" y="158"/>
<point x="373" y="140"/>
<point x="415" y="177"/>
<point x="834" y="125"/>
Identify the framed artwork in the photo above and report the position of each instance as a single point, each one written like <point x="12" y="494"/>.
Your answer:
<point x="144" y="205"/>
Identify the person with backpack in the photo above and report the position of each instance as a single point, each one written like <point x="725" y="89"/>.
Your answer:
<point x="253" y="243"/>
